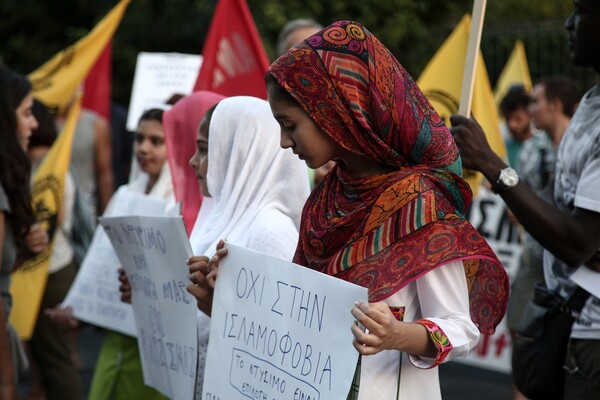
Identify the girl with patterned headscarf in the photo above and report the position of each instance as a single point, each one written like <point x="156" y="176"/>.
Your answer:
<point x="390" y="216"/>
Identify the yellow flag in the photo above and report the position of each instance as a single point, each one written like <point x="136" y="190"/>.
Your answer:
<point x="441" y="81"/>
<point x="29" y="281"/>
<point x="515" y="72"/>
<point x="55" y="82"/>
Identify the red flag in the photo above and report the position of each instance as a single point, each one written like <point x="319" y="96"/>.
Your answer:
<point x="97" y="85"/>
<point x="235" y="61"/>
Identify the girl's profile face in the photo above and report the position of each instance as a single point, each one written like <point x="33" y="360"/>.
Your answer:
<point x="199" y="161"/>
<point x="149" y="147"/>
<point x="300" y="133"/>
<point x="26" y="121"/>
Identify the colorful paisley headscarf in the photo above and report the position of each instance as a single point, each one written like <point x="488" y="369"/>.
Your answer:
<point x="385" y="231"/>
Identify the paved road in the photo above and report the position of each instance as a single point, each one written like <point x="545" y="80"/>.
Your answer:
<point x="458" y="381"/>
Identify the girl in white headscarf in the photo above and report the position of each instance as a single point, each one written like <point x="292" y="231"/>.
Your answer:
<point x="257" y="190"/>
<point x="118" y="372"/>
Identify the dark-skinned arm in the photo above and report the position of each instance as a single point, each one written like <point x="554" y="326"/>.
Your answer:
<point x="572" y="237"/>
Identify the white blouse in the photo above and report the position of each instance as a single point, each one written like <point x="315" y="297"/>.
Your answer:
<point x="429" y="297"/>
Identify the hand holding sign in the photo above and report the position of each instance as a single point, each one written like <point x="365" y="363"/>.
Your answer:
<point x="203" y="274"/>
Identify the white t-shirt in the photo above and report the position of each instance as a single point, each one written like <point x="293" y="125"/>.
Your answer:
<point x="62" y="251"/>
<point x="578" y="185"/>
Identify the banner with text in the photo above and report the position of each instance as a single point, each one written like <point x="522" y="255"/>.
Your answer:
<point x="279" y="331"/>
<point x="153" y="251"/>
<point x="94" y="295"/>
<point x="158" y="76"/>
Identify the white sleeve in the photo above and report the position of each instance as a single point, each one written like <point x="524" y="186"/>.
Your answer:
<point x="444" y="300"/>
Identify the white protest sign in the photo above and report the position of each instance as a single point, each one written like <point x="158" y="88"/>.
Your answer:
<point x="587" y="279"/>
<point x="157" y="77"/>
<point x="153" y="252"/>
<point x="94" y="294"/>
<point x="279" y="331"/>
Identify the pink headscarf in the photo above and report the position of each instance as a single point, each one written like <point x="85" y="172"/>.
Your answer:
<point x="181" y="128"/>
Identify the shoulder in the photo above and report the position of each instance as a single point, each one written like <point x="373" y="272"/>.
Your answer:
<point x="273" y="233"/>
<point x="4" y="204"/>
<point x="273" y="222"/>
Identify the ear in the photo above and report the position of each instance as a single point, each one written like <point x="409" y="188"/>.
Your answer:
<point x="555" y="105"/>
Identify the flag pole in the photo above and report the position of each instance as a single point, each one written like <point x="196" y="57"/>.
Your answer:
<point x="466" y="96"/>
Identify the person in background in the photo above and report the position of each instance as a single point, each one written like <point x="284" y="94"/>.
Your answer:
<point x="292" y="33"/>
<point x="569" y="228"/>
<point x="91" y="157"/>
<point x="552" y="105"/>
<point x="513" y="108"/>
<point x="19" y="235"/>
<point x="53" y="371"/>
<point x="295" y="31"/>
<point x="118" y="372"/>
<point x="256" y="190"/>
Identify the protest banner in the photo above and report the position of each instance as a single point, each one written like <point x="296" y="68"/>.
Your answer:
<point x="94" y="294"/>
<point x="153" y="252"/>
<point x="515" y="72"/>
<point x="279" y="331"/>
<point x="55" y="82"/>
<point x="158" y="76"/>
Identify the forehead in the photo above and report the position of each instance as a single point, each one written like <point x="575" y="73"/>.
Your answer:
<point x="202" y="131"/>
<point x="150" y="124"/>
<point x="27" y="102"/>
<point x="539" y="90"/>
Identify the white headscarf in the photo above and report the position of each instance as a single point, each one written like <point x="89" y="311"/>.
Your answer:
<point x="257" y="191"/>
<point x="162" y="189"/>
<point x="253" y="182"/>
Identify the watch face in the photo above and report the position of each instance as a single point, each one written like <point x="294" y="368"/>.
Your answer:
<point x="509" y="177"/>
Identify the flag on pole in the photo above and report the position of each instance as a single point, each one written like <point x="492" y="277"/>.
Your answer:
<point x="235" y="61"/>
<point x="98" y="84"/>
<point x="55" y="82"/>
<point x="515" y="72"/>
<point x="28" y="282"/>
<point x="441" y="82"/>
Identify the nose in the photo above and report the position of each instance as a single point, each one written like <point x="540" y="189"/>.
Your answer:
<point x="34" y="123"/>
<point x="569" y="25"/>
<point x="194" y="161"/>
<point x="143" y="145"/>
<point x="286" y="140"/>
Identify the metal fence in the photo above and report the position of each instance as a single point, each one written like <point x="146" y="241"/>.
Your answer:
<point x="546" y="48"/>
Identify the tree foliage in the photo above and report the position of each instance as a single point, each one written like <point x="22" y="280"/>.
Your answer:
<point x="32" y="31"/>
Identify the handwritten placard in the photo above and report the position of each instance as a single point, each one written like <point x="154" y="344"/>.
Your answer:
<point x="153" y="252"/>
<point x="94" y="294"/>
<point x="279" y="331"/>
<point x="157" y="77"/>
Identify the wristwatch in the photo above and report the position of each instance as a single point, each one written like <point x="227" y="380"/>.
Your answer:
<point x="508" y="179"/>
